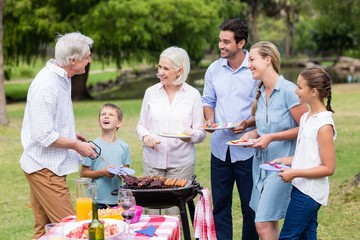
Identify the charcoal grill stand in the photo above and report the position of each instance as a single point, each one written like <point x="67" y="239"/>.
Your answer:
<point x="184" y="218"/>
<point x="183" y="214"/>
<point x="179" y="202"/>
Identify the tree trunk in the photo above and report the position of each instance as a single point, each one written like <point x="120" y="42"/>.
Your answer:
<point x="252" y="14"/>
<point x="3" y="113"/>
<point x="292" y="17"/>
<point x="79" y="90"/>
<point x="287" y="37"/>
<point x="292" y="40"/>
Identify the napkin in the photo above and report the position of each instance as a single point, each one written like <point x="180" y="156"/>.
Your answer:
<point x="71" y="218"/>
<point x="204" y="226"/>
<point x="149" y="231"/>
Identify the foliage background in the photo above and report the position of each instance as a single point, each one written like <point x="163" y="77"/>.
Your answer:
<point x="132" y="31"/>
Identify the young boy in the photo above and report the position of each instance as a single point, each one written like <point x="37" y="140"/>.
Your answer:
<point x="113" y="150"/>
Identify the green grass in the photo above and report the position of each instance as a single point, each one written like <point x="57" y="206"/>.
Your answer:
<point x="339" y="220"/>
<point x="16" y="88"/>
<point x="28" y="70"/>
<point x="16" y="91"/>
<point x="101" y="77"/>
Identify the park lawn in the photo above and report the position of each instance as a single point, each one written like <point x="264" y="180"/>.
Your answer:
<point x="339" y="220"/>
<point x="22" y="75"/>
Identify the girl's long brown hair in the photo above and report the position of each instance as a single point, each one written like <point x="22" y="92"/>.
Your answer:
<point x="318" y="78"/>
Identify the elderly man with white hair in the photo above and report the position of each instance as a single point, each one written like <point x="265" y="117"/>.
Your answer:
<point x="52" y="149"/>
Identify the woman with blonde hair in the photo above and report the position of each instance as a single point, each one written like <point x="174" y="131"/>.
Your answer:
<point x="277" y="113"/>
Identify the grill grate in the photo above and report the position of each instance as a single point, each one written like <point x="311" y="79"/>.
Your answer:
<point x="149" y="187"/>
<point x="163" y="187"/>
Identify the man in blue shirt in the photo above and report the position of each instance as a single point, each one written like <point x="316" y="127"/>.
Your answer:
<point x="227" y="98"/>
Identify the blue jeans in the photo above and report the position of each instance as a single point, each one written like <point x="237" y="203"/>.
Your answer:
<point x="301" y="217"/>
<point x="223" y="177"/>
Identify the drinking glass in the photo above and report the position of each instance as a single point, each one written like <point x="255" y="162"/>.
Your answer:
<point x="128" y="205"/>
<point x="54" y="231"/>
<point x="124" y="193"/>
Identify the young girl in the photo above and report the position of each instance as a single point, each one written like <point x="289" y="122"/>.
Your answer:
<point x="314" y="158"/>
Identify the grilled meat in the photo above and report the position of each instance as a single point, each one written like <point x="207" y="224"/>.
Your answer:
<point x="131" y="180"/>
<point x="145" y="181"/>
<point x="157" y="183"/>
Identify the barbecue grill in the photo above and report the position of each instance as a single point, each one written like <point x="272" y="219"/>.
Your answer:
<point x="165" y="197"/>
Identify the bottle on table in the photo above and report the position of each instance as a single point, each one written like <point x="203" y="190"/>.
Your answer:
<point x="96" y="228"/>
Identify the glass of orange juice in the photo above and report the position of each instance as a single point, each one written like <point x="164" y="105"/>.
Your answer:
<point x="85" y="192"/>
<point x="83" y="207"/>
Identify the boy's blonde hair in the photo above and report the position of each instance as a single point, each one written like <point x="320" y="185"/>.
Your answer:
<point x="113" y="106"/>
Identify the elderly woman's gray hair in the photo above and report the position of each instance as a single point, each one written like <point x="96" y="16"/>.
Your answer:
<point x="180" y="59"/>
<point x="71" y="46"/>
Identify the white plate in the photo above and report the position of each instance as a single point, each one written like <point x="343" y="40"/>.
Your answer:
<point x="122" y="226"/>
<point x="273" y="167"/>
<point x="240" y="143"/>
<point x="174" y="135"/>
<point x="219" y="126"/>
<point x="118" y="170"/>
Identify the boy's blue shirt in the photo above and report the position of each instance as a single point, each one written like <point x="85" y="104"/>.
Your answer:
<point x="117" y="153"/>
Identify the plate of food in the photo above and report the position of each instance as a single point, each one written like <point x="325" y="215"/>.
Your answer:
<point x="79" y="230"/>
<point x="175" y="135"/>
<point x="273" y="166"/>
<point x="241" y="142"/>
<point x="218" y="126"/>
<point x="121" y="170"/>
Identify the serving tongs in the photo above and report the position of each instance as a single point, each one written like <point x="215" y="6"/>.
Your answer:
<point x="107" y="162"/>
<point x="191" y="181"/>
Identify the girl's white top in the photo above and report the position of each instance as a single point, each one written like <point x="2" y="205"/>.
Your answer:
<point x="307" y="155"/>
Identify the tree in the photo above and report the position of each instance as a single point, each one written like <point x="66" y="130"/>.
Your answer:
<point x="253" y="11"/>
<point x="124" y="31"/>
<point x="144" y="28"/>
<point x="3" y="113"/>
<point x="32" y="26"/>
<point x="336" y="28"/>
<point x="289" y="11"/>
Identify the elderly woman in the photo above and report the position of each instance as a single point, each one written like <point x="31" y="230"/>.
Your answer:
<point x="171" y="106"/>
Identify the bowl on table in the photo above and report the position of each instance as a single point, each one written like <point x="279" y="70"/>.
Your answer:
<point x="78" y="230"/>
